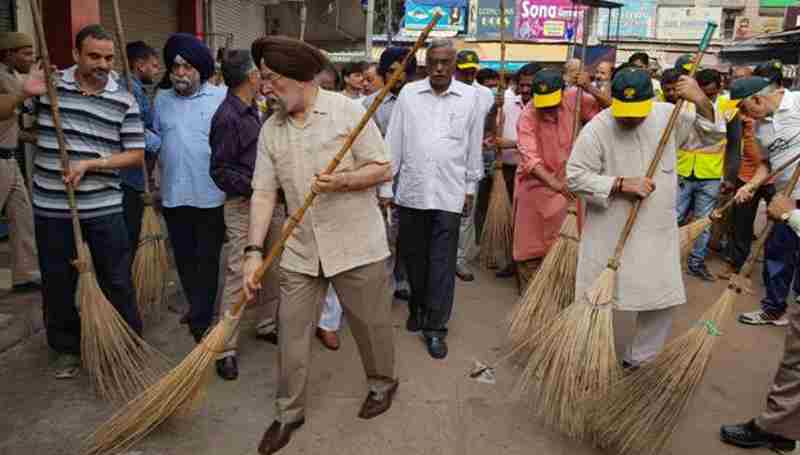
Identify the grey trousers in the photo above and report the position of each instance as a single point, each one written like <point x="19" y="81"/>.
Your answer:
<point x="16" y="204"/>
<point x="782" y="415"/>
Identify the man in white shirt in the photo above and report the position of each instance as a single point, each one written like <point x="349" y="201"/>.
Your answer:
<point x="467" y="66"/>
<point x="777" y="115"/>
<point x="435" y="137"/>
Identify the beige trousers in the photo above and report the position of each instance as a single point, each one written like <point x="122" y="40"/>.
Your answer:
<point x="237" y="222"/>
<point x="15" y="202"/>
<point x="782" y="415"/>
<point x="366" y="297"/>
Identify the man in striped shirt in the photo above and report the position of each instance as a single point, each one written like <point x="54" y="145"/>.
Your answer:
<point x="103" y="132"/>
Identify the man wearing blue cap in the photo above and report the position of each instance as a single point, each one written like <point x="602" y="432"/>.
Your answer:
<point x="192" y="203"/>
<point x="775" y="111"/>
<point x="606" y="168"/>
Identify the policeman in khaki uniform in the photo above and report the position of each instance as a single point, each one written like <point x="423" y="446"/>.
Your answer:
<point x="16" y="49"/>
<point x="700" y="170"/>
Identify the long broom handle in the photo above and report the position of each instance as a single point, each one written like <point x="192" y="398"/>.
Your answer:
<point x="757" y="185"/>
<point x="126" y="71"/>
<point x="295" y="219"/>
<point x="579" y="98"/>
<point x="662" y="145"/>
<point x="748" y="265"/>
<point x="52" y="93"/>
<point x="501" y="88"/>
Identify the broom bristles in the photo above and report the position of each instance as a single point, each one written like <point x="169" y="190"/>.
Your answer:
<point x="573" y="360"/>
<point x="689" y="233"/>
<point x="178" y="393"/>
<point x="551" y="289"/>
<point x="120" y="364"/>
<point x="150" y="266"/>
<point x="497" y="237"/>
<point x="642" y="411"/>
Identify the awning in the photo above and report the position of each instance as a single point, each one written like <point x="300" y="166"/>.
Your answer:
<point x="783" y="46"/>
<point x="443" y="3"/>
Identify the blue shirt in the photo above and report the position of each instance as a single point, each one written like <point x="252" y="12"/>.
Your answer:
<point x="133" y="176"/>
<point x="184" y="123"/>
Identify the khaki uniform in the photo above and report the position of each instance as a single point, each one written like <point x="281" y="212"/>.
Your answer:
<point x="340" y="241"/>
<point x="14" y="198"/>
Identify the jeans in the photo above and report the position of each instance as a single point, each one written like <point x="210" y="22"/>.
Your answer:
<point x="107" y="238"/>
<point x="196" y="235"/>
<point x="700" y="196"/>
<point x="428" y="245"/>
<point x="780" y="267"/>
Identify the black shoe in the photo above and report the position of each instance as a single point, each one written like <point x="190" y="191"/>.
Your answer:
<point x="402" y="294"/>
<point x="628" y="368"/>
<point x="228" y="368"/>
<point x="701" y="271"/>
<point x="507" y="272"/>
<point x="28" y="286"/>
<point x="269" y="337"/>
<point x="749" y="436"/>
<point x="185" y="318"/>
<point x="413" y="324"/>
<point x="437" y="347"/>
<point x="198" y="334"/>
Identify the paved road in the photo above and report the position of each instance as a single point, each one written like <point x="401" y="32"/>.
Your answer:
<point x="438" y="409"/>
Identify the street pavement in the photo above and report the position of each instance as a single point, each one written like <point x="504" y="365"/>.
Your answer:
<point x="438" y="408"/>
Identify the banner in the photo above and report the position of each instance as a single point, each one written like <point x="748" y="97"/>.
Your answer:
<point x="547" y="20"/>
<point x="418" y="16"/>
<point x="685" y="23"/>
<point x="488" y="19"/>
<point x="637" y="18"/>
<point x="747" y="27"/>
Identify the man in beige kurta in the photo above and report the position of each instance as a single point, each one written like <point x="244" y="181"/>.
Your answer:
<point x="341" y="240"/>
<point x="606" y="167"/>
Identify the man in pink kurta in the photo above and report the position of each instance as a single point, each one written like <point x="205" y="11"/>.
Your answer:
<point x="545" y="135"/>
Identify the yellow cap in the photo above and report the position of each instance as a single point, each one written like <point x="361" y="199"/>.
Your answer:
<point x="631" y="109"/>
<point x="548" y="100"/>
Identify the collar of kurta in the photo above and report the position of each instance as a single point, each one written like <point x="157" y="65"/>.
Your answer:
<point x="322" y="107"/>
<point x="68" y="79"/>
<point x="455" y="88"/>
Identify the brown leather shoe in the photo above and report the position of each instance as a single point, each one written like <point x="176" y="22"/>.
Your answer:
<point x="378" y="403"/>
<point x="328" y="338"/>
<point x="277" y="436"/>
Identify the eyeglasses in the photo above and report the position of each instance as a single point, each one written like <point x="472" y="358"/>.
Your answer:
<point x="270" y="77"/>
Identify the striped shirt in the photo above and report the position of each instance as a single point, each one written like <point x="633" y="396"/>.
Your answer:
<point x="96" y="126"/>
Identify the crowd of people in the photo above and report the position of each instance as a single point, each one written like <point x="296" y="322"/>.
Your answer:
<point x="238" y="143"/>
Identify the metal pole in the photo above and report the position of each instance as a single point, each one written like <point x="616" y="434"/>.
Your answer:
<point x="370" y="20"/>
<point x="303" y="19"/>
<point x="389" y="17"/>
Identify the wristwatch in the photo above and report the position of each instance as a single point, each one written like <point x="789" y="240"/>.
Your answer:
<point x="254" y="248"/>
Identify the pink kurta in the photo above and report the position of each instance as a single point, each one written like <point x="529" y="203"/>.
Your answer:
<point x="544" y="139"/>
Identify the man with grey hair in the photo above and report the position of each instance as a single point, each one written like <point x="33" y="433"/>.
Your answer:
<point x="435" y="138"/>
<point x="776" y="113"/>
<point x="234" y="139"/>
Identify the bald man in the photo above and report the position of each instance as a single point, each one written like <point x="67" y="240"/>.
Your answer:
<point x="571" y="69"/>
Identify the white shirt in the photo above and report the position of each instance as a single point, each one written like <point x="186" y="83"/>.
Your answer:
<point x="486" y="99"/>
<point x="512" y="110"/>
<point x="779" y="137"/>
<point x="435" y="143"/>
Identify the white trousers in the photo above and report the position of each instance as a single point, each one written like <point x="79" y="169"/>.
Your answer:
<point x="650" y="335"/>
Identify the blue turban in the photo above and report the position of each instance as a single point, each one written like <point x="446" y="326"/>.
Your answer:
<point x="193" y="51"/>
<point x="396" y="54"/>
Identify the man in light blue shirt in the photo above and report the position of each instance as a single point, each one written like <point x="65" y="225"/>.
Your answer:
<point x="192" y="202"/>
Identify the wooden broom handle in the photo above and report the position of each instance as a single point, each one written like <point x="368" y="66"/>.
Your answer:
<point x="295" y="219"/>
<point x="579" y="96"/>
<point x="501" y="89"/>
<point x="662" y="145"/>
<point x="52" y="93"/>
<point x="747" y="267"/>
<point x="126" y="71"/>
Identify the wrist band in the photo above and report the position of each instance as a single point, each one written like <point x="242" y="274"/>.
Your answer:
<point x="253" y="248"/>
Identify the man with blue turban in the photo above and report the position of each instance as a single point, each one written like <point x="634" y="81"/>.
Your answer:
<point x="192" y="203"/>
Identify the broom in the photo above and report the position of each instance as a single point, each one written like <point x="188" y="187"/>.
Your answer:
<point x="150" y="264"/>
<point x="497" y="235"/>
<point x="182" y="389"/>
<point x="690" y="232"/>
<point x="120" y="363"/>
<point x="552" y="288"/>
<point x="641" y="413"/>
<point x="574" y="358"/>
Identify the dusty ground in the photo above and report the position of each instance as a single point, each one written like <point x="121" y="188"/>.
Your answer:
<point x="438" y="409"/>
